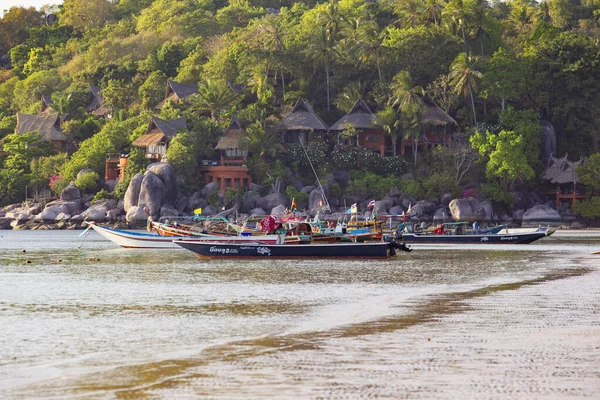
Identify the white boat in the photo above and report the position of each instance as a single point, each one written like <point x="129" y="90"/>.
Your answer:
<point x="143" y="240"/>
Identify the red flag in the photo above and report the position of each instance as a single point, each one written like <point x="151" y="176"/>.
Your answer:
<point x="268" y="223"/>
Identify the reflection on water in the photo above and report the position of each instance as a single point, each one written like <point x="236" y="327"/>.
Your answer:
<point x="436" y="323"/>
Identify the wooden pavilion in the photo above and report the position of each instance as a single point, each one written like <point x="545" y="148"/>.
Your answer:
<point x="177" y="92"/>
<point x="158" y="135"/>
<point x="437" y="129"/>
<point x="46" y="123"/>
<point x="231" y="170"/>
<point x="562" y="173"/>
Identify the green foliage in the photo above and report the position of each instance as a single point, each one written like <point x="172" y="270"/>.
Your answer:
<point x="43" y="168"/>
<point x="28" y="92"/>
<point x="438" y="184"/>
<point x="136" y="163"/>
<point x="87" y="181"/>
<point x="497" y="193"/>
<point x="300" y="197"/>
<point x="12" y="186"/>
<point x="589" y="208"/>
<point x="370" y="184"/>
<point x="589" y="172"/>
<point x="182" y="155"/>
<point x="367" y="161"/>
<point x="152" y="91"/>
<point x="103" y="194"/>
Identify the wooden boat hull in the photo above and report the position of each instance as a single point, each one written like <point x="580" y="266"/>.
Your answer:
<point x="515" y="238"/>
<point x="143" y="240"/>
<point x="286" y="251"/>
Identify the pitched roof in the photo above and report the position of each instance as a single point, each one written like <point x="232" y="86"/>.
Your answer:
<point x="96" y="99"/>
<point x="181" y="90"/>
<point x="360" y="117"/>
<point x="150" y="139"/>
<point x="231" y="136"/>
<point x="45" y="123"/>
<point x="435" y="116"/>
<point x="169" y="127"/>
<point x="561" y="170"/>
<point x="303" y="117"/>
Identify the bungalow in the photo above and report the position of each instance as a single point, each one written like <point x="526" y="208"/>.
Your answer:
<point x="47" y="124"/>
<point x="368" y="135"/>
<point x="158" y="135"/>
<point x="46" y="104"/>
<point x="437" y="128"/>
<point x="301" y="123"/>
<point x="231" y="171"/>
<point x="177" y="92"/>
<point x="95" y="104"/>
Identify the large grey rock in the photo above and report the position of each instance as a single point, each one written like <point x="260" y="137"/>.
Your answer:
<point x="396" y="210"/>
<point x="62" y="217"/>
<point x="96" y="213"/>
<point x="446" y="199"/>
<point x="519" y="200"/>
<point x="110" y="185"/>
<point x="209" y="189"/>
<point x="181" y="204"/>
<point x="70" y="193"/>
<point x="315" y="199"/>
<point x="488" y="210"/>
<point x="112" y="215"/>
<point x="197" y="201"/>
<point x="279" y="210"/>
<point x="417" y="211"/>
<point x="2" y="213"/>
<point x="153" y="194"/>
<point x="49" y="213"/>
<point x="257" y="211"/>
<point x="518" y="215"/>
<point x="389" y="202"/>
<point x="380" y="208"/>
<point x="441" y="215"/>
<point x="298" y="185"/>
<point x="272" y="200"/>
<point x="73" y="207"/>
<point x="308" y="189"/>
<point x="110" y="204"/>
<point x="132" y="194"/>
<point x="136" y="215"/>
<point x="251" y="200"/>
<point x="121" y="207"/>
<point x="541" y="214"/>
<point x="428" y="207"/>
<point x="5" y="223"/>
<point x="167" y="175"/>
<point x="12" y="207"/>
<point x="256" y="188"/>
<point x="342" y="178"/>
<point x="466" y="210"/>
<point x="209" y="210"/>
<point x="168" y="211"/>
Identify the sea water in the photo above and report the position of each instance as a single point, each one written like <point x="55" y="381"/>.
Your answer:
<point x="82" y="318"/>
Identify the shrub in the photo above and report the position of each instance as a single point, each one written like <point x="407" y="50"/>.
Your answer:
<point x="588" y="208"/>
<point x="87" y="181"/>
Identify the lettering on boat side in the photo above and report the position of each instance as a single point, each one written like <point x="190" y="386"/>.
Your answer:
<point x="509" y="238"/>
<point x="485" y="239"/>
<point x="222" y="250"/>
<point x="263" y="251"/>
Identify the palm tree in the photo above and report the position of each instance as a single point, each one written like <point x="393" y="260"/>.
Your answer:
<point x="322" y="51"/>
<point x="458" y="18"/>
<point x="213" y="98"/>
<point x="466" y="78"/>
<point x="389" y="121"/>
<point x="259" y="83"/>
<point x="370" y="46"/>
<point x="404" y="94"/>
<point x="331" y="19"/>
<point x="349" y="94"/>
<point x="544" y="12"/>
<point x="433" y="10"/>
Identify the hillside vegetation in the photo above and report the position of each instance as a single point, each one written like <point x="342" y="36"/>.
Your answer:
<point x="497" y="68"/>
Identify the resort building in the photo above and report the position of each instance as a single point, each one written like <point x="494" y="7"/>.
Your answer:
<point x="302" y="123"/>
<point x="368" y="135"/>
<point x="46" y="123"/>
<point x="177" y="92"/>
<point x="158" y="135"/>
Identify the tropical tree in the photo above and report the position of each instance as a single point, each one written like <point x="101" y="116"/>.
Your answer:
<point x="433" y="10"/>
<point x="466" y="78"/>
<point x="370" y="46"/>
<point x="214" y="98"/>
<point x="388" y="119"/>
<point x="322" y="51"/>
<point x="87" y="14"/>
<point x="404" y="95"/>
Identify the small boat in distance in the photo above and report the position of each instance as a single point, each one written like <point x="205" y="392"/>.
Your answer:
<point x="452" y="237"/>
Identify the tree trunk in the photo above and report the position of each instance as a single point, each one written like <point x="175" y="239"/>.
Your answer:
<point x="472" y="105"/>
<point x="283" y="84"/>
<point x="394" y="145"/>
<point x="379" y="71"/>
<point x="327" y="78"/>
<point x="415" y="150"/>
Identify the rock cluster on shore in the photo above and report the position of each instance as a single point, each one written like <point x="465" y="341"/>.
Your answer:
<point x="156" y="190"/>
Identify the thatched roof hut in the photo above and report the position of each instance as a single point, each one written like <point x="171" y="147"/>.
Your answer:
<point x="561" y="170"/>
<point x="160" y="131"/>
<point x="47" y="124"/>
<point x="46" y="103"/>
<point x="359" y="117"/>
<point x="231" y="137"/>
<point x="303" y="118"/>
<point x="178" y="91"/>
<point x="435" y="116"/>
<point x="95" y="99"/>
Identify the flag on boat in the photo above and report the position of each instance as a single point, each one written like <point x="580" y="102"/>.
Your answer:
<point x="198" y="211"/>
<point x="294" y="205"/>
<point x="371" y="204"/>
<point x="409" y="209"/>
<point x="353" y="208"/>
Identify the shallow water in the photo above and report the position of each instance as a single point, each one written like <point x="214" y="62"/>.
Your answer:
<point x="517" y="321"/>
